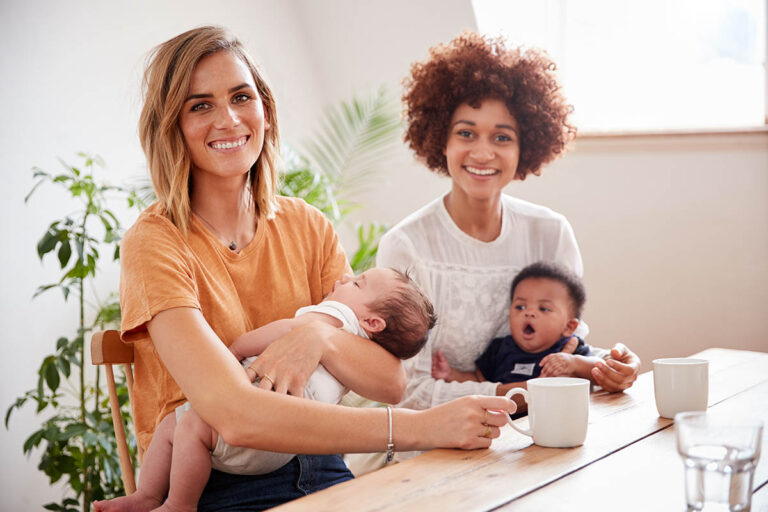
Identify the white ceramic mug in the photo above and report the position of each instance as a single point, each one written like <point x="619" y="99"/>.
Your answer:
<point x="558" y="410"/>
<point x="680" y="384"/>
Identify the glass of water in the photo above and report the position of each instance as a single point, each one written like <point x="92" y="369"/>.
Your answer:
<point x="720" y="454"/>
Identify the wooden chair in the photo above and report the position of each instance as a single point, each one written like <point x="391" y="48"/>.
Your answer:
<point x="107" y="349"/>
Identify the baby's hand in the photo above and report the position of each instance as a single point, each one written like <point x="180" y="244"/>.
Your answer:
<point x="571" y="345"/>
<point x="440" y="367"/>
<point x="558" y="365"/>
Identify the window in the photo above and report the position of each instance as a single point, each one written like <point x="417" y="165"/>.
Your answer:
<point x="650" y="65"/>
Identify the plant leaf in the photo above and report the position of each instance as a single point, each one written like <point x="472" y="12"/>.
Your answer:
<point x="43" y="288"/>
<point x="47" y="242"/>
<point x="33" y="440"/>
<point x="65" y="251"/>
<point x="39" y="182"/>
<point x="64" y="366"/>
<point x="52" y="377"/>
<point x="72" y="430"/>
<point x="19" y="402"/>
<point x="355" y="139"/>
<point x="61" y="343"/>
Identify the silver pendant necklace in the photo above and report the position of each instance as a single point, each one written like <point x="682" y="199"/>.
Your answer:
<point x="232" y="244"/>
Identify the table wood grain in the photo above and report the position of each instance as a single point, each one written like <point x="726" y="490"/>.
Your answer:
<point x="628" y="461"/>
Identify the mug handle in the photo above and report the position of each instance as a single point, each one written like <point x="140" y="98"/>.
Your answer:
<point x="519" y="391"/>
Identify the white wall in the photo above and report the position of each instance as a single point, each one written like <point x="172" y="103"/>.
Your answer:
<point x="674" y="232"/>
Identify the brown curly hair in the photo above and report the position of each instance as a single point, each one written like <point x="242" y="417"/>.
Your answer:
<point x="472" y="68"/>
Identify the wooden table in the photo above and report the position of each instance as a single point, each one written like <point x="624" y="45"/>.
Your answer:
<point x="628" y="462"/>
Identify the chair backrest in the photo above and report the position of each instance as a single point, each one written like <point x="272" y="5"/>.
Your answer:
<point x="107" y="349"/>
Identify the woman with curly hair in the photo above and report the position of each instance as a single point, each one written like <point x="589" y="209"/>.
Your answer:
<point x="484" y="115"/>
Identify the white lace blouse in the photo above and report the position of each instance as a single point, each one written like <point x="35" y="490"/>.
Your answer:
<point x="468" y="282"/>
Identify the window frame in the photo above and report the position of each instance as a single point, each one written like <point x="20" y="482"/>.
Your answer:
<point x="751" y="130"/>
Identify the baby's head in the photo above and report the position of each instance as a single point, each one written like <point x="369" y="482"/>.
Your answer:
<point x="390" y="307"/>
<point x="547" y="300"/>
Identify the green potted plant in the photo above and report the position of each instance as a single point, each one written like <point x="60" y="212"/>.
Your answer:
<point x="78" y="441"/>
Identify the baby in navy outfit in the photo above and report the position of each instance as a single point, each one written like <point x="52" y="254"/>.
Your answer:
<point x="547" y="300"/>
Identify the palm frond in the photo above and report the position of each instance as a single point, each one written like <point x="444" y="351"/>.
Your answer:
<point x="354" y="140"/>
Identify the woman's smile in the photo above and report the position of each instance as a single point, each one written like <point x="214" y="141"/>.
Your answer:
<point x="229" y="145"/>
<point x="481" y="171"/>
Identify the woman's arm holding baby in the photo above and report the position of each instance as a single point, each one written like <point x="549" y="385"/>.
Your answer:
<point x="361" y="365"/>
<point x="214" y="383"/>
<point x="254" y="342"/>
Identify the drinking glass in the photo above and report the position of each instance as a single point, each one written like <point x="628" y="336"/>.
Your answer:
<point x="720" y="455"/>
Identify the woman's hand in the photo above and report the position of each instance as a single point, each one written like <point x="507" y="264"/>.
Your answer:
<point x="469" y="422"/>
<point x="361" y="365"/>
<point x="618" y="372"/>
<point x="288" y="362"/>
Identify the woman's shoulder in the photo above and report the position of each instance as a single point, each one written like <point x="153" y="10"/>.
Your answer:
<point x="290" y="209"/>
<point x="300" y="222"/>
<point x="152" y="223"/>
<point x="514" y="206"/>
<point x="424" y="217"/>
<point x="411" y="236"/>
<point x="153" y="235"/>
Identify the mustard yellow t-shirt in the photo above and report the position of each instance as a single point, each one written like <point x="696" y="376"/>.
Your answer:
<point x="292" y="261"/>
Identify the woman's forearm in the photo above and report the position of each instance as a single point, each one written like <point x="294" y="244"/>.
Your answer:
<point x="361" y="365"/>
<point x="217" y="388"/>
<point x="583" y="366"/>
<point x="305" y="426"/>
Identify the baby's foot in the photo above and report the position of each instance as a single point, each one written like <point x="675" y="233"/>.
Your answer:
<point x="136" y="502"/>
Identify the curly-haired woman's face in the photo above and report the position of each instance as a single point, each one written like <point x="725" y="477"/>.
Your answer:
<point x="223" y="117"/>
<point x="482" y="150"/>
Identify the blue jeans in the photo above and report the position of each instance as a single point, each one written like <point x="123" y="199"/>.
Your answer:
<point x="303" y="475"/>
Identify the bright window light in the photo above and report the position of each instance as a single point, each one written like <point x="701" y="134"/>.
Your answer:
<point x="650" y="65"/>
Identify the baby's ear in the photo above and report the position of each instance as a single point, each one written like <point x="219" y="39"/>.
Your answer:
<point x="570" y="327"/>
<point x="373" y="323"/>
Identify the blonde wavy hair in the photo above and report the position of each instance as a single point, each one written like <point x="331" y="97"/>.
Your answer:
<point x="165" y="87"/>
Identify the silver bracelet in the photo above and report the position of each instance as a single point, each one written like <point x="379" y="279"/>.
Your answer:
<point x="390" y="444"/>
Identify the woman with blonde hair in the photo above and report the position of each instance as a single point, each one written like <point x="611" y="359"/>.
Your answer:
<point x="220" y="254"/>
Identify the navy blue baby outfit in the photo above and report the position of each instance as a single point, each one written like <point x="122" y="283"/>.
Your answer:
<point x="504" y="361"/>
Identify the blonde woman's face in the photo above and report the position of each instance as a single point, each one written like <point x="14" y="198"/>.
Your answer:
<point x="222" y="119"/>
